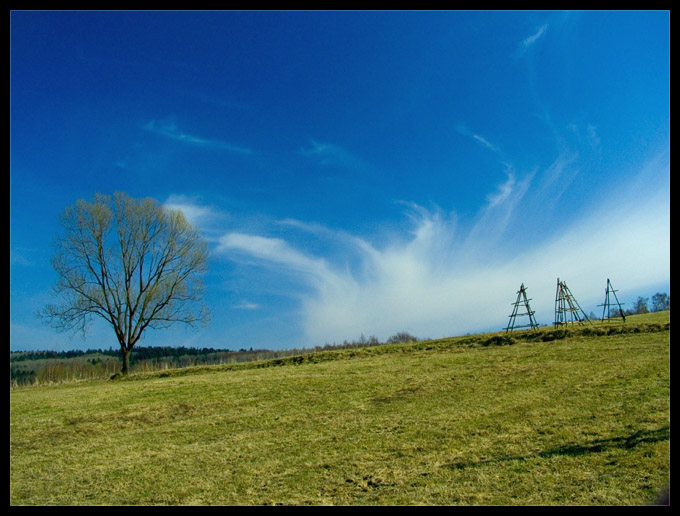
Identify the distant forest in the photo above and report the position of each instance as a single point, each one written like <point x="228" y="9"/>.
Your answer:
<point x="140" y="353"/>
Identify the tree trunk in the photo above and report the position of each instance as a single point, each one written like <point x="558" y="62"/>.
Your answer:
<point x="126" y="360"/>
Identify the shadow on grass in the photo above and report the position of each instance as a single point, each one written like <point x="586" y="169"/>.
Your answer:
<point x="596" y="446"/>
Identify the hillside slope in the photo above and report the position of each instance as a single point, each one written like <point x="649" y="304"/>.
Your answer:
<point x="578" y="417"/>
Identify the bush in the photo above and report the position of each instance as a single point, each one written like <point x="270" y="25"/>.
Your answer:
<point x="402" y="336"/>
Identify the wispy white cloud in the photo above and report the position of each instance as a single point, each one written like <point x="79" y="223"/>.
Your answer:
<point x="168" y="129"/>
<point x="526" y="43"/>
<point x="18" y="256"/>
<point x="593" y="138"/>
<point x="329" y="154"/>
<point x="209" y="219"/>
<point x="504" y="191"/>
<point x="319" y="231"/>
<point x="485" y="143"/>
<point x="274" y="250"/>
<point x="465" y="131"/>
<point x="245" y="305"/>
<point x="195" y="212"/>
<point x="435" y="278"/>
<point x="433" y="281"/>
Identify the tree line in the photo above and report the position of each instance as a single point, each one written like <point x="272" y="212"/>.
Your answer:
<point x="140" y="353"/>
<point x="660" y="302"/>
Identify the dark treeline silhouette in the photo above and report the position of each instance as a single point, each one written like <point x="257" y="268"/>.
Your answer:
<point x="20" y="356"/>
<point x="140" y="353"/>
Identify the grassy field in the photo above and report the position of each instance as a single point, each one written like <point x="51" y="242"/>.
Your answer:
<point x="544" y="418"/>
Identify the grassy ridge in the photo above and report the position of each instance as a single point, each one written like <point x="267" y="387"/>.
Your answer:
<point x="582" y="417"/>
<point x="647" y="323"/>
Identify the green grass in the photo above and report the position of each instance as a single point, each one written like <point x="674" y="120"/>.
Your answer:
<point x="582" y="419"/>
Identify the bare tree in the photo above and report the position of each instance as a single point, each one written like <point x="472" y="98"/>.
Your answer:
<point x="661" y="301"/>
<point x="130" y="262"/>
<point x="641" y="305"/>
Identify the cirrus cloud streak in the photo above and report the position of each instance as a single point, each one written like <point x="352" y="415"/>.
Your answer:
<point x="433" y="281"/>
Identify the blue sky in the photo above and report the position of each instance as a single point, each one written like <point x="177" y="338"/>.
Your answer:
<point x="353" y="172"/>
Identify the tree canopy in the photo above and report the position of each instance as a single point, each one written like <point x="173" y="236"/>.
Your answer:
<point x="132" y="263"/>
